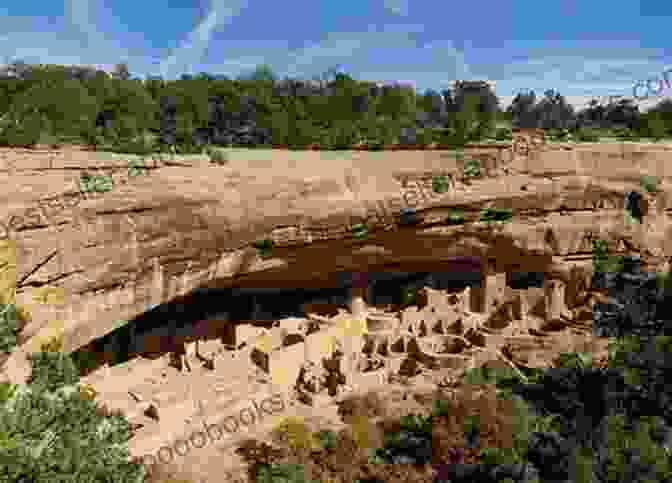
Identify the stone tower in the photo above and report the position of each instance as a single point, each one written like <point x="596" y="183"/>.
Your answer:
<point x="554" y="298"/>
<point x="487" y="297"/>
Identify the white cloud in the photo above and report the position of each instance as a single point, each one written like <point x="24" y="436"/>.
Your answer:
<point x="331" y="50"/>
<point x="578" y="75"/>
<point x="80" y="15"/>
<point x="373" y="55"/>
<point x="190" y="52"/>
<point x="79" y="41"/>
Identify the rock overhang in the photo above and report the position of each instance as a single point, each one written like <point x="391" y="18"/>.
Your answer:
<point x="317" y="262"/>
<point x="161" y="237"/>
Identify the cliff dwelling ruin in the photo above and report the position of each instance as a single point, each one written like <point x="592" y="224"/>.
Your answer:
<point x="350" y="330"/>
<point x="416" y="298"/>
<point x="236" y="319"/>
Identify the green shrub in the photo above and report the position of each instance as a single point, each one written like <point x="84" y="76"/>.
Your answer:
<point x="8" y="327"/>
<point x="649" y="183"/>
<point x="162" y="156"/>
<point x="360" y="231"/>
<point x="574" y="360"/>
<point x="374" y="456"/>
<point x="504" y="378"/>
<point x="341" y="135"/>
<point x="653" y="126"/>
<point x="415" y="423"/>
<point x="49" y="139"/>
<point x="96" y="140"/>
<point x="664" y="281"/>
<point x="217" y="156"/>
<point x="327" y="439"/>
<point x="620" y="440"/>
<point x="619" y="348"/>
<point x="264" y="248"/>
<point x="136" y="167"/>
<point x="85" y="360"/>
<point x="485" y="375"/>
<point x="472" y="168"/>
<point x="281" y="473"/>
<point x="587" y="135"/>
<point x="439" y="184"/>
<point x="440" y="408"/>
<point x="52" y="370"/>
<point x="612" y="264"/>
<point x="630" y="219"/>
<point x="602" y="262"/>
<point x="623" y="133"/>
<point x="96" y="183"/>
<point x="424" y="137"/>
<point x="50" y="432"/>
<point x="23" y="130"/>
<point x="496" y="214"/>
<point x="503" y="134"/>
<point x="138" y="145"/>
<point x="455" y="216"/>
<point x="600" y="249"/>
<point x="559" y="134"/>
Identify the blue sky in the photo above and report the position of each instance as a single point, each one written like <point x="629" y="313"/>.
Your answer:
<point x="595" y="48"/>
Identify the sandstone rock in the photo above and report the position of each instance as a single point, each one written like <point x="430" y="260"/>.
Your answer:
<point x="157" y="237"/>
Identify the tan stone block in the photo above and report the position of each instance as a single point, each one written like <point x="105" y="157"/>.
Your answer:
<point x="285" y="364"/>
<point x="368" y="379"/>
<point x="246" y="333"/>
<point x="410" y="318"/>
<point x="554" y="298"/>
<point x="322" y="344"/>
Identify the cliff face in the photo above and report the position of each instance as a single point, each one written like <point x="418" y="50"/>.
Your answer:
<point x="276" y="219"/>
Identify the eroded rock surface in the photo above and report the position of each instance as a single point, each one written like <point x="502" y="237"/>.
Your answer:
<point x="156" y="238"/>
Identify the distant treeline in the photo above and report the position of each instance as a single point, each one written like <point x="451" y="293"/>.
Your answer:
<point x="51" y="104"/>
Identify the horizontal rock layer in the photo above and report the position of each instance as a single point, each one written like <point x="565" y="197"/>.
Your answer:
<point x="160" y="235"/>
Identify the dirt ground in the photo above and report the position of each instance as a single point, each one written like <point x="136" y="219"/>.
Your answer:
<point x="380" y="408"/>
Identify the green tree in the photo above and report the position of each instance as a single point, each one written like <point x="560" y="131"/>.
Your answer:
<point x="476" y="105"/>
<point x="554" y="112"/>
<point x="340" y="135"/>
<point x="304" y="133"/>
<point x="652" y="125"/>
<point x="663" y="112"/>
<point x="65" y="103"/>
<point x="522" y="111"/>
<point x="154" y="85"/>
<point x="22" y="128"/>
<point x="128" y="100"/>
<point x="464" y="125"/>
<point x="281" y="128"/>
<point x="51" y="431"/>
<point x="397" y="102"/>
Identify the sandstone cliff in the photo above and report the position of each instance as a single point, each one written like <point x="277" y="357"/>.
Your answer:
<point x="189" y="224"/>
